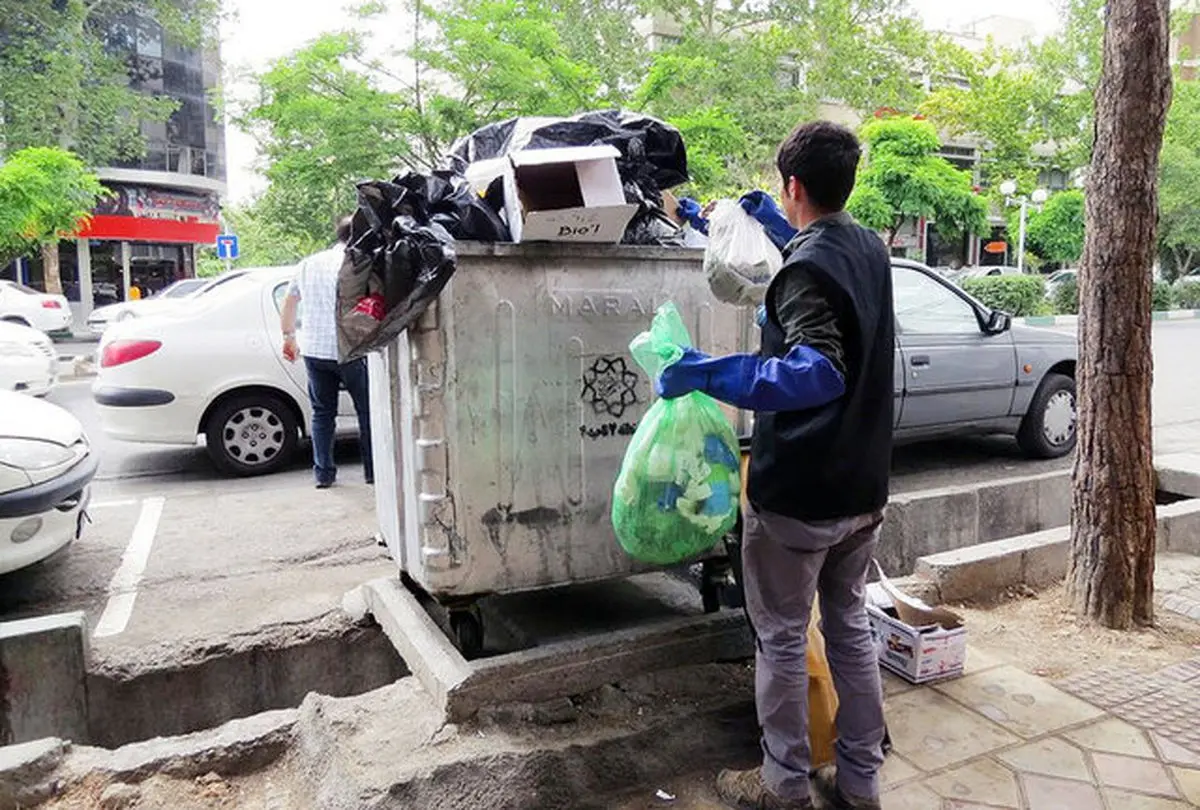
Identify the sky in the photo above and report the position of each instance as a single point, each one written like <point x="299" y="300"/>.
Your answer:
<point x="259" y="31"/>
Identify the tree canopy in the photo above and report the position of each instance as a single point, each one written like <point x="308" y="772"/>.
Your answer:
<point x="45" y="193"/>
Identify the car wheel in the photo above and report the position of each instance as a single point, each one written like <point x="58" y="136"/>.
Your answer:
<point x="1049" y="429"/>
<point x="252" y="434"/>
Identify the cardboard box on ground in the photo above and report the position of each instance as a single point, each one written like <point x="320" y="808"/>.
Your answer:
<point x="913" y="640"/>
<point x="572" y="194"/>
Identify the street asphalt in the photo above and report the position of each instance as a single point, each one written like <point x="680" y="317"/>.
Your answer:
<point x="217" y="556"/>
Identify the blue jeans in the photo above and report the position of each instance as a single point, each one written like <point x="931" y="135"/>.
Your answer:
<point x="325" y="380"/>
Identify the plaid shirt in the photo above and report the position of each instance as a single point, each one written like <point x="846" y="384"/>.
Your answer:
<point x="315" y="285"/>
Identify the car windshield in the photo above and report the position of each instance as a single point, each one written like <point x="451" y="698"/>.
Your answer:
<point x="22" y="288"/>
<point x="221" y="281"/>
<point x="181" y="289"/>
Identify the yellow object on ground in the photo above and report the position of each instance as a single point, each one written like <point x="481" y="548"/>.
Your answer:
<point x="822" y="698"/>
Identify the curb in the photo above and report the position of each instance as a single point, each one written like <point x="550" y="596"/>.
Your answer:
<point x="72" y="368"/>
<point x="1073" y="320"/>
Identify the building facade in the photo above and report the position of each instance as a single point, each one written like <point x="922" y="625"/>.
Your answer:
<point x="164" y="204"/>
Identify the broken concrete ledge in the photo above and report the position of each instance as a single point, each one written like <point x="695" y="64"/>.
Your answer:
<point x="1179" y="474"/>
<point x="460" y="687"/>
<point x="985" y="571"/>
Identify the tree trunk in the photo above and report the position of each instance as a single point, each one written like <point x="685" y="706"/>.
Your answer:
<point x="1111" y="574"/>
<point x="50" y="272"/>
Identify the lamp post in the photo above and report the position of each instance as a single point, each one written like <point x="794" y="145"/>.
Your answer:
<point x="1009" y="189"/>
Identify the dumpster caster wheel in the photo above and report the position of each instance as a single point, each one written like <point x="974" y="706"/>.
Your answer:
<point x="468" y="633"/>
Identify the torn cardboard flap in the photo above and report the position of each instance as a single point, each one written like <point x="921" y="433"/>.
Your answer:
<point x="913" y="611"/>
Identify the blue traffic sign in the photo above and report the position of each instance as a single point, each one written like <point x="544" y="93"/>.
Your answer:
<point x="227" y="246"/>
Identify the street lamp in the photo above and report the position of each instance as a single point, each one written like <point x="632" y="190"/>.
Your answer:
<point x="1009" y="189"/>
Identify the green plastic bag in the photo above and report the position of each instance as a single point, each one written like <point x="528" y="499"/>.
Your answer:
<point x="679" y="487"/>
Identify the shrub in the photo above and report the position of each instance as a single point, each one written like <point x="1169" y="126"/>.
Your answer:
<point x="1019" y="296"/>
<point x="1066" y="298"/>
<point x="1187" y="295"/>
<point x="1164" y="296"/>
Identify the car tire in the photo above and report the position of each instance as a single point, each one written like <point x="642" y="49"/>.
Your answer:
<point x="1048" y="429"/>
<point x="252" y="434"/>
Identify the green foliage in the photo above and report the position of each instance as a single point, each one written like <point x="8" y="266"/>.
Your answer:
<point x="1163" y="296"/>
<point x="262" y="242"/>
<point x="64" y="80"/>
<point x="44" y="194"/>
<point x="1019" y="296"/>
<point x="1066" y="298"/>
<point x="1187" y="295"/>
<point x="903" y="178"/>
<point x="1055" y="233"/>
<point x="1178" y="179"/>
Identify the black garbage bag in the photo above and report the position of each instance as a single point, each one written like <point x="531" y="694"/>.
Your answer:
<point x="653" y="157"/>
<point x="401" y="254"/>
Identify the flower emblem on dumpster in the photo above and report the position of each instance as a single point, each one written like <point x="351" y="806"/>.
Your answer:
<point x="610" y="387"/>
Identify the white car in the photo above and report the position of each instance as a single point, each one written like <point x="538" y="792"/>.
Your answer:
<point x="21" y="304"/>
<point x="101" y="317"/>
<point x="28" y="360"/>
<point x="46" y="467"/>
<point x="212" y="368"/>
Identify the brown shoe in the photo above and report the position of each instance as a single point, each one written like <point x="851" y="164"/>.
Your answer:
<point x="831" y="797"/>
<point x="745" y="790"/>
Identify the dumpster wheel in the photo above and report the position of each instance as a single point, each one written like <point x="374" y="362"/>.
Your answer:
<point x="467" y="626"/>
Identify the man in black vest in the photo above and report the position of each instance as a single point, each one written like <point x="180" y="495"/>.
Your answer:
<point x="822" y="392"/>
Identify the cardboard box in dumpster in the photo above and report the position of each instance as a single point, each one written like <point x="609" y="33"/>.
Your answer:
<point x="919" y="654"/>
<point x="572" y="194"/>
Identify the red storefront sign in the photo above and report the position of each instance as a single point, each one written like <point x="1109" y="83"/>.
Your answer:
<point x="143" y="229"/>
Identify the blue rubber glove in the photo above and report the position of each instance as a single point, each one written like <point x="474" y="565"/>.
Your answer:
<point x="762" y="207"/>
<point x="803" y="379"/>
<point x="689" y="210"/>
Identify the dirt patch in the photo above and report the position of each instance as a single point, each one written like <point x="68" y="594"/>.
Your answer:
<point x="1040" y="634"/>
<point x="268" y="790"/>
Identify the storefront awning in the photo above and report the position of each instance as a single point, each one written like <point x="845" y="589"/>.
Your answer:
<point x="144" y="229"/>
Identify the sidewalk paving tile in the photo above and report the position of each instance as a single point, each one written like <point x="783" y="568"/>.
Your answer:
<point x="1050" y="793"/>
<point x="1113" y="736"/>
<point x="1182" y="672"/>
<point x="1123" y="800"/>
<point x="1174" y="753"/>
<point x="1189" y="782"/>
<point x="933" y="732"/>
<point x="1049" y="757"/>
<point x="1022" y="703"/>
<point x="1112" y="686"/>
<point x="980" y="781"/>
<point x="896" y="769"/>
<point x="1171" y="712"/>
<point x="911" y="797"/>
<point x="1128" y="773"/>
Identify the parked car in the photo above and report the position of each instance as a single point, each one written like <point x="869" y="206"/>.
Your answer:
<point x="962" y="368"/>
<point x="28" y="360"/>
<point x="25" y="305"/>
<point x="214" y="368"/>
<point x="984" y="272"/>
<point x="101" y="317"/>
<point x="1057" y="279"/>
<point x="46" y="467"/>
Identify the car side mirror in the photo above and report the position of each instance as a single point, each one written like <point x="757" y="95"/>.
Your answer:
<point x="998" y="322"/>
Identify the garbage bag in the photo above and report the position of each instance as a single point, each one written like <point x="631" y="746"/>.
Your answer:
<point x="653" y="157"/>
<point x="679" y="487"/>
<point x="740" y="258"/>
<point x="440" y="198"/>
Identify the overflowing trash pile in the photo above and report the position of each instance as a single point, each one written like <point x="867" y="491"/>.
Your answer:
<point x="401" y="251"/>
<point x="679" y="487"/>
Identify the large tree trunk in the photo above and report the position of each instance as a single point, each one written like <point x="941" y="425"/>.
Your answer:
<point x="1111" y="576"/>
<point x="50" y="269"/>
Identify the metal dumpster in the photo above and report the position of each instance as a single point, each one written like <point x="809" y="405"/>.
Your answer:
<point x="502" y="416"/>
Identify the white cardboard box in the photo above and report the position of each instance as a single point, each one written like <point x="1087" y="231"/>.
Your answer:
<point x="566" y="195"/>
<point x="917" y="654"/>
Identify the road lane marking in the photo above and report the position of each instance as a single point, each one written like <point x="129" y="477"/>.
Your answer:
<point x="122" y="591"/>
<point x="113" y="504"/>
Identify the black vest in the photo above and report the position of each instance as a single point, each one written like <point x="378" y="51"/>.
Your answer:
<point x="833" y="461"/>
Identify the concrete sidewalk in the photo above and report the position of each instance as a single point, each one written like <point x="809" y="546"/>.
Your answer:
<point x="998" y="737"/>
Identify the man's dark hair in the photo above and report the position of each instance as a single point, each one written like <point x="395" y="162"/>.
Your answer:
<point x="823" y="156"/>
<point x="343" y="230"/>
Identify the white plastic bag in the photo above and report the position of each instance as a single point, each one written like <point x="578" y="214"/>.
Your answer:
<point x="740" y="259"/>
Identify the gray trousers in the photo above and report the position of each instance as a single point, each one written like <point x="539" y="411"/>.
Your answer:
<point x="786" y="563"/>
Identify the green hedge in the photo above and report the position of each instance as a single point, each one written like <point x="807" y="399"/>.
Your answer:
<point x="1019" y="296"/>
<point x="1066" y="298"/>
<point x="1164" y="296"/>
<point x="1187" y="296"/>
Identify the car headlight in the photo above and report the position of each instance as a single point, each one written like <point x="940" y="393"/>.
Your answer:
<point x="33" y="454"/>
<point x="12" y="348"/>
